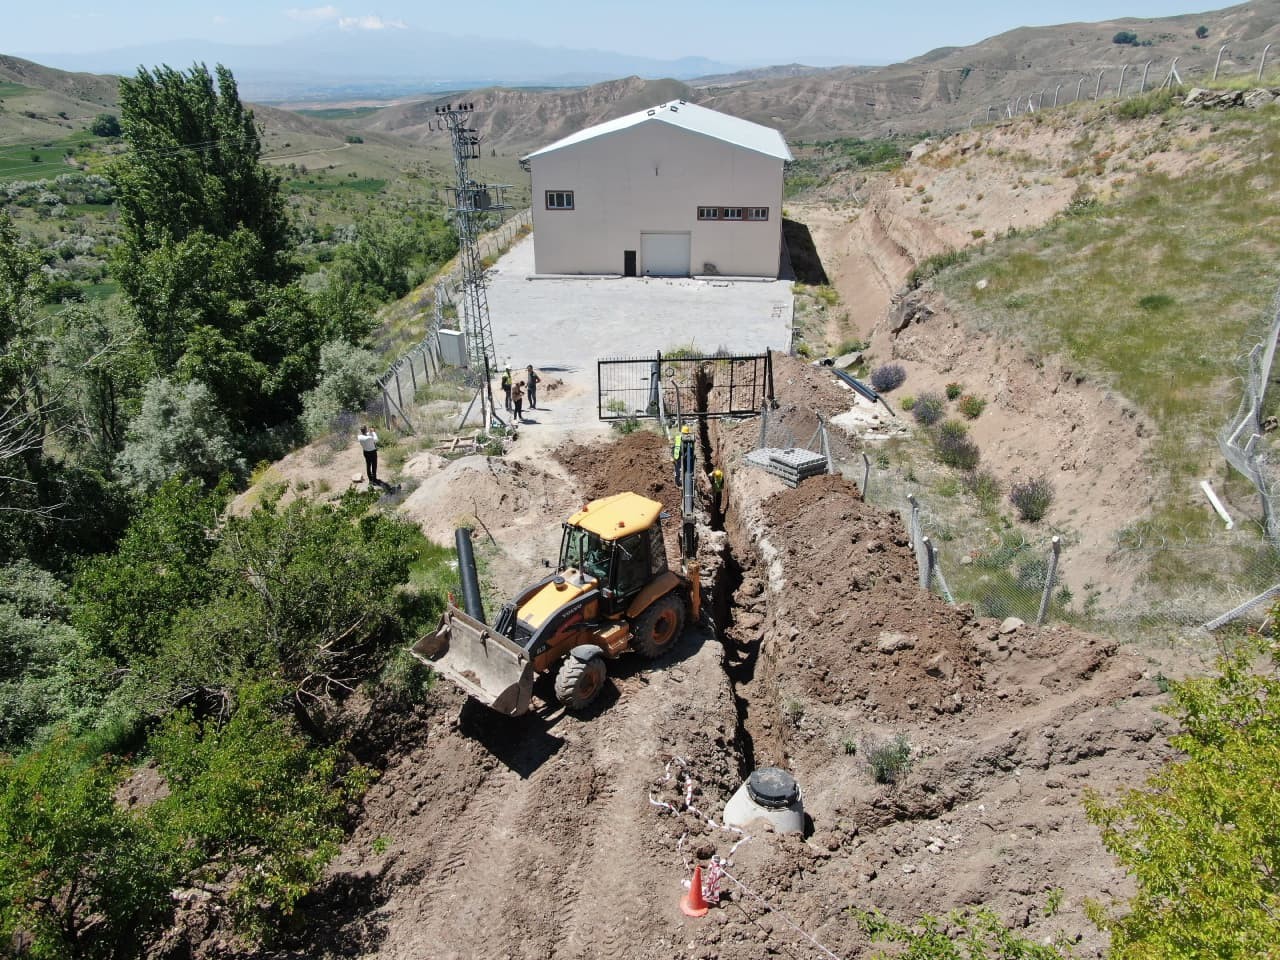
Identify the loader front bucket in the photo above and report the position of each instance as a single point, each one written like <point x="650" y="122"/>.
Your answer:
<point x="485" y="665"/>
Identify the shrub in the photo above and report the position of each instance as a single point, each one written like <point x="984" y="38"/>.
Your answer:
<point x="178" y="432"/>
<point x="907" y="402"/>
<point x="889" y="760"/>
<point x="954" y="390"/>
<point x="928" y="409"/>
<point x="953" y="446"/>
<point x="888" y="376"/>
<point x="1126" y="37"/>
<point x="105" y="125"/>
<point x="984" y="485"/>
<point x="347" y="376"/>
<point x="972" y="406"/>
<point x="1032" y="498"/>
<point x="1201" y="32"/>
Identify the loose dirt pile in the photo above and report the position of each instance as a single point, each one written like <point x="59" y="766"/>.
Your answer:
<point x="566" y="836"/>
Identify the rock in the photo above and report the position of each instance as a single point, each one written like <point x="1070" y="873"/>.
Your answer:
<point x="908" y="868"/>
<point x="1197" y="96"/>
<point x="941" y="666"/>
<point x="893" y="642"/>
<point x="1011" y="624"/>
<point x="1258" y="98"/>
<point x="981" y="284"/>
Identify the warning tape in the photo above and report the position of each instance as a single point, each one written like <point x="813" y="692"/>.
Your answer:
<point x="689" y="786"/>
<point x="717" y="870"/>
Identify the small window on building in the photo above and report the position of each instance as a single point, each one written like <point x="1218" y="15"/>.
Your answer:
<point x="708" y="213"/>
<point x="757" y="213"/>
<point x="733" y="213"/>
<point x="559" y="199"/>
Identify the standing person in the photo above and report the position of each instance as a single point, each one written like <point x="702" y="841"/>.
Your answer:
<point x="506" y="389"/>
<point x="532" y="379"/>
<point x="369" y="444"/>
<point x="517" y="399"/>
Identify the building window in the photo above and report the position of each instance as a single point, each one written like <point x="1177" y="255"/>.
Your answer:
<point x="757" y="213"/>
<point x="733" y="213"/>
<point x="708" y="213"/>
<point x="559" y="199"/>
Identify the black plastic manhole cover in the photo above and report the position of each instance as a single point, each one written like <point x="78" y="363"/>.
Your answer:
<point x="772" y="787"/>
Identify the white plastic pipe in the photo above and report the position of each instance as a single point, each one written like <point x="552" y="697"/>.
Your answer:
<point x="1217" y="504"/>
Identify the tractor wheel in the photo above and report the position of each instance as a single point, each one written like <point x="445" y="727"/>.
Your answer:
<point x="659" y="627"/>
<point x="579" y="682"/>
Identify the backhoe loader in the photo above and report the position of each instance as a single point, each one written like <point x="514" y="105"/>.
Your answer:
<point x="611" y="592"/>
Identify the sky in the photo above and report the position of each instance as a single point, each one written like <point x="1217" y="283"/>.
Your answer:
<point x="819" y="32"/>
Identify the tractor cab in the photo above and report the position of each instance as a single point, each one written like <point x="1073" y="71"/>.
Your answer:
<point x="616" y="541"/>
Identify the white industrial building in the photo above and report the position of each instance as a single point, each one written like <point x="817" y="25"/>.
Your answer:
<point x="672" y="191"/>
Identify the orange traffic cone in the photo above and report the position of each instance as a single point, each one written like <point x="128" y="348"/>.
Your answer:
<point x="692" y="904"/>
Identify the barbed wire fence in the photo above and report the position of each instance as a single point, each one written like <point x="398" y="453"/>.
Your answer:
<point x="1102" y="81"/>
<point x="423" y="362"/>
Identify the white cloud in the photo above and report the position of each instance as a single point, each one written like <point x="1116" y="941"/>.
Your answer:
<point x="371" y="23"/>
<point x="313" y="13"/>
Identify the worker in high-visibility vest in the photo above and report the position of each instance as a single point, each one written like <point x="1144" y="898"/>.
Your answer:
<point x="717" y="484"/>
<point x="677" y="449"/>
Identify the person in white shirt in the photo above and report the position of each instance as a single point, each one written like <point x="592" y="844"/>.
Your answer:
<point x="369" y="444"/>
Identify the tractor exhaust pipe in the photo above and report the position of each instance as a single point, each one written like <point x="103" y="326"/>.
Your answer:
<point x="471" y="601"/>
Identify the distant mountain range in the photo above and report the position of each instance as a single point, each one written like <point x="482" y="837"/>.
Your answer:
<point x="537" y="100"/>
<point x="386" y="63"/>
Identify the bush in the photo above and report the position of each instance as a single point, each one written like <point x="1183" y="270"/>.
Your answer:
<point x="907" y="402"/>
<point x="179" y="432"/>
<point x="105" y="125"/>
<point x="984" y="485"/>
<point x="347" y="377"/>
<point x="954" y="390"/>
<point x="888" y="376"/>
<point x="928" y="409"/>
<point x="889" y="760"/>
<point x="953" y="446"/>
<point x="1201" y="32"/>
<point x="972" y="406"/>
<point x="1032" y="498"/>
<point x="1126" y="37"/>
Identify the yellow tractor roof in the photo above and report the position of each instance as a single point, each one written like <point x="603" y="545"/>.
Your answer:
<point x="621" y="515"/>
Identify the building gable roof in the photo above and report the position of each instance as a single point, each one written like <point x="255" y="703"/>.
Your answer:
<point x="689" y="116"/>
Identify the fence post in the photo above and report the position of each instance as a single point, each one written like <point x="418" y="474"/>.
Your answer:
<point x="413" y="375"/>
<point x="1050" y="575"/>
<point x="1218" y="62"/>
<point x="926" y="564"/>
<point x="386" y="407"/>
<point x="1143" y="85"/>
<point x="913" y="533"/>
<point x="1055" y="94"/>
<point x="866" y="475"/>
<point x="1263" y="62"/>
<point x="1120" y="85"/>
<point x="936" y="568"/>
<point x="1097" y="91"/>
<point x="826" y="446"/>
<point x="1078" y="86"/>
<point x="764" y="424"/>
<point x="399" y="398"/>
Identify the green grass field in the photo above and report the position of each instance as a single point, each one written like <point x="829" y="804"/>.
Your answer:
<point x="367" y="185"/>
<point x="8" y="89"/>
<point x="43" y="160"/>
<point x="339" y="113"/>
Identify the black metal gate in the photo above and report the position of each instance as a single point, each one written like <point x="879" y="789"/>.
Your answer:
<point x="718" y="385"/>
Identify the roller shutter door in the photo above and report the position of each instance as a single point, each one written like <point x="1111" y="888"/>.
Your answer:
<point x="664" y="254"/>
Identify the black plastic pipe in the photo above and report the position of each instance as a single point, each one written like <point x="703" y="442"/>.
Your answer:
<point x="471" y="601"/>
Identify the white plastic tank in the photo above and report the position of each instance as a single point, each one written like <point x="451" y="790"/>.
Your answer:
<point x="770" y="794"/>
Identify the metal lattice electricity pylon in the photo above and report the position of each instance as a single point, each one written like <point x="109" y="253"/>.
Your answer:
<point x="472" y="202"/>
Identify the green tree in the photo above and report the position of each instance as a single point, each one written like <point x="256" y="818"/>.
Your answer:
<point x="205" y="258"/>
<point x="79" y="877"/>
<point x="178" y="432"/>
<point x="23" y="401"/>
<point x="1125" y="37"/>
<point x="1202" y="837"/>
<point x="347" y="377"/>
<point x="105" y="125"/>
<point x="252" y="807"/>
<point x="36" y="646"/>
<point x="126" y="602"/>
<point x="1201" y="32"/>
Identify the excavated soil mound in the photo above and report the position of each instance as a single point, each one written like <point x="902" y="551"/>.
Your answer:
<point x="639" y="462"/>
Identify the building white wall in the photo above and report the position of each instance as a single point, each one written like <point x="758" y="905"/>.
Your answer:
<point x="652" y="178"/>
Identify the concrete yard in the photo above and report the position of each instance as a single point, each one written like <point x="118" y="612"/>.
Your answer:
<point x="567" y="324"/>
